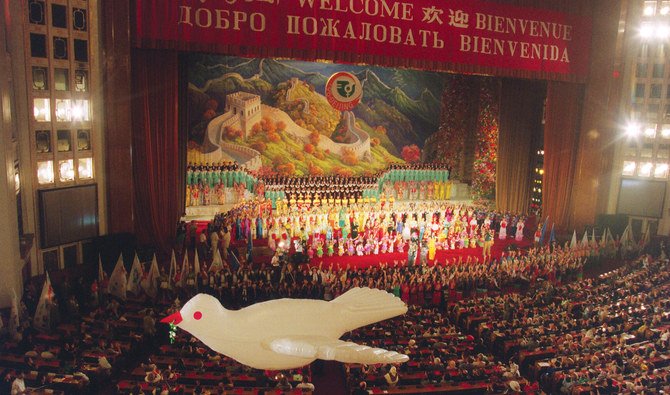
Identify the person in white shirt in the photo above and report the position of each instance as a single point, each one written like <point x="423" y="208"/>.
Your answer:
<point x="305" y="384"/>
<point x="19" y="385"/>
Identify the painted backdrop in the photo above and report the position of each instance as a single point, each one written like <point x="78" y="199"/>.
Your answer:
<point x="272" y="116"/>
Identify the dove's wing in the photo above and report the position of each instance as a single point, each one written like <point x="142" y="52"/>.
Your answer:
<point x="363" y="306"/>
<point x="332" y="349"/>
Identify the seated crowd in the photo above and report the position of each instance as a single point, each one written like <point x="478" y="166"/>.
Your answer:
<point x="609" y="334"/>
<point x="76" y="352"/>
<point x="555" y="331"/>
<point x="443" y="359"/>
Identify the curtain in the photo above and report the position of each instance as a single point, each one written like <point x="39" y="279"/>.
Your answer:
<point x="521" y="103"/>
<point x="156" y="152"/>
<point x="562" y="119"/>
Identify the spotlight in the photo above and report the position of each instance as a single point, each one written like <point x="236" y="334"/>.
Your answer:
<point x="646" y="30"/>
<point x="645" y="169"/>
<point x="650" y="131"/>
<point x="665" y="10"/>
<point x="662" y="31"/>
<point x="633" y="130"/>
<point x="661" y="170"/>
<point x="649" y="10"/>
<point x="628" y="168"/>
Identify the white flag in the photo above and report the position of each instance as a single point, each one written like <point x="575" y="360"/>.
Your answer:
<point x="150" y="281"/>
<point x="42" y="319"/>
<point x="135" y="276"/>
<point x="609" y="239"/>
<point x="196" y="263"/>
<point x="101" y="271"/>
<point x="118" y="281"/>
<point x="173" y="270"/>
<point x="14" y="321"/>
<point x="627" y="237"/>
<point x="217" y="262"/>
<point x="594" y="242"/>
<point x="573" y="242"/>
<point x="645" y="236"/>
<point x="585" y="239"/>
<point x="184" y="270"/>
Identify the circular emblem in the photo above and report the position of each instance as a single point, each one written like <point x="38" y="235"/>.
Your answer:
<point x="344" y="91"/>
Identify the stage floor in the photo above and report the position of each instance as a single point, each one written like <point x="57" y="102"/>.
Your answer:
<point x="262" y="255"/>
<point x="207" y="213"/>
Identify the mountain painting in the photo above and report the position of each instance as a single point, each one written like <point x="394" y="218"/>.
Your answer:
<point x="272" y="116"/>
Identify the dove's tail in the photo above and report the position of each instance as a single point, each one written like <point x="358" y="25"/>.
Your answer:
<point x="364" y="306"/>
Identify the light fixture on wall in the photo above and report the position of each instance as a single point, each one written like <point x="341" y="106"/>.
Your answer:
<point x="42" y="110"/>
<point x="661" y="170"/>
<point x="85" y="168"/>
<point x="628" y="168"/>
<point x="66" y="170"/>
<point x="45" y="172"/>
<point x="633" y="130"/>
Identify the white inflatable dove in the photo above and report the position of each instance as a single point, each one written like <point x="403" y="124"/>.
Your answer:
<point x="290" y="333"/>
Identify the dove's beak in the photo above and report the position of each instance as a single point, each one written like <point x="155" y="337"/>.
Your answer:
<point x="173" y="319"/>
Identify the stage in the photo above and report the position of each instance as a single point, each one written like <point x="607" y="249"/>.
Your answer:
<point x="460" y="194"/>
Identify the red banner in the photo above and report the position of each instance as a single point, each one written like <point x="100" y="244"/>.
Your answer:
<point x="465" y="32"/>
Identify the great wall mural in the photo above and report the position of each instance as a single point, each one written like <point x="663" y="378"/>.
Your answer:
<point x="272" y="117"/>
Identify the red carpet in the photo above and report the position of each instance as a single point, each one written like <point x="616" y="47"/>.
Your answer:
<point x="440" y="257"/>
<point x="365" y="261"/>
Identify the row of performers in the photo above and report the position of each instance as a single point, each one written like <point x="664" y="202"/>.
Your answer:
<point x="209" y="187"/>
<point x="219" y="194"/>
<point x="451" y="226"/>
<point x="401" y="191"/>
<point x="228" y="175"/>
<point x="204" y="195"/>
<point x="212" y="176"/>
<point x="370" y="243"/>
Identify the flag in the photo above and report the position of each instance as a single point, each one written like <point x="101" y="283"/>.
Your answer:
<point x="603" y="238"/>
<point x="627" y="237"/>
<point x="196" y="267"/>
<point x="101" y="271"/>
<point x="184" y="270"/>
<point x="173" y="269"/>
<point x="235" y="263"/>
<point x="217" y="262"/>
<point x="585" y="239"/>
<point x="14" y="321"/>
<point x="118" y="280"/>
<point x="644" y="240"/>
<point x="593" y="243"/>
<point x="150" y="281"/>
<point x="250" y="245"/>
<point x="609" y="240"/>
<point x="42" y="319"/>
<point x="544" y="230"/>
<point x="573" y="242"/>
<point x="135" y="277"/>
<point x="196" y="263"/>
<point x="552" y="235"/>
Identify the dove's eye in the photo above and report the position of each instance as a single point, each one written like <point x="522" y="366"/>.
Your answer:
<point x="197" y="315"/>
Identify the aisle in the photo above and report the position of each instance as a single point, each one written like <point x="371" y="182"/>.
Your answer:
<point x="328" y="378"/>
